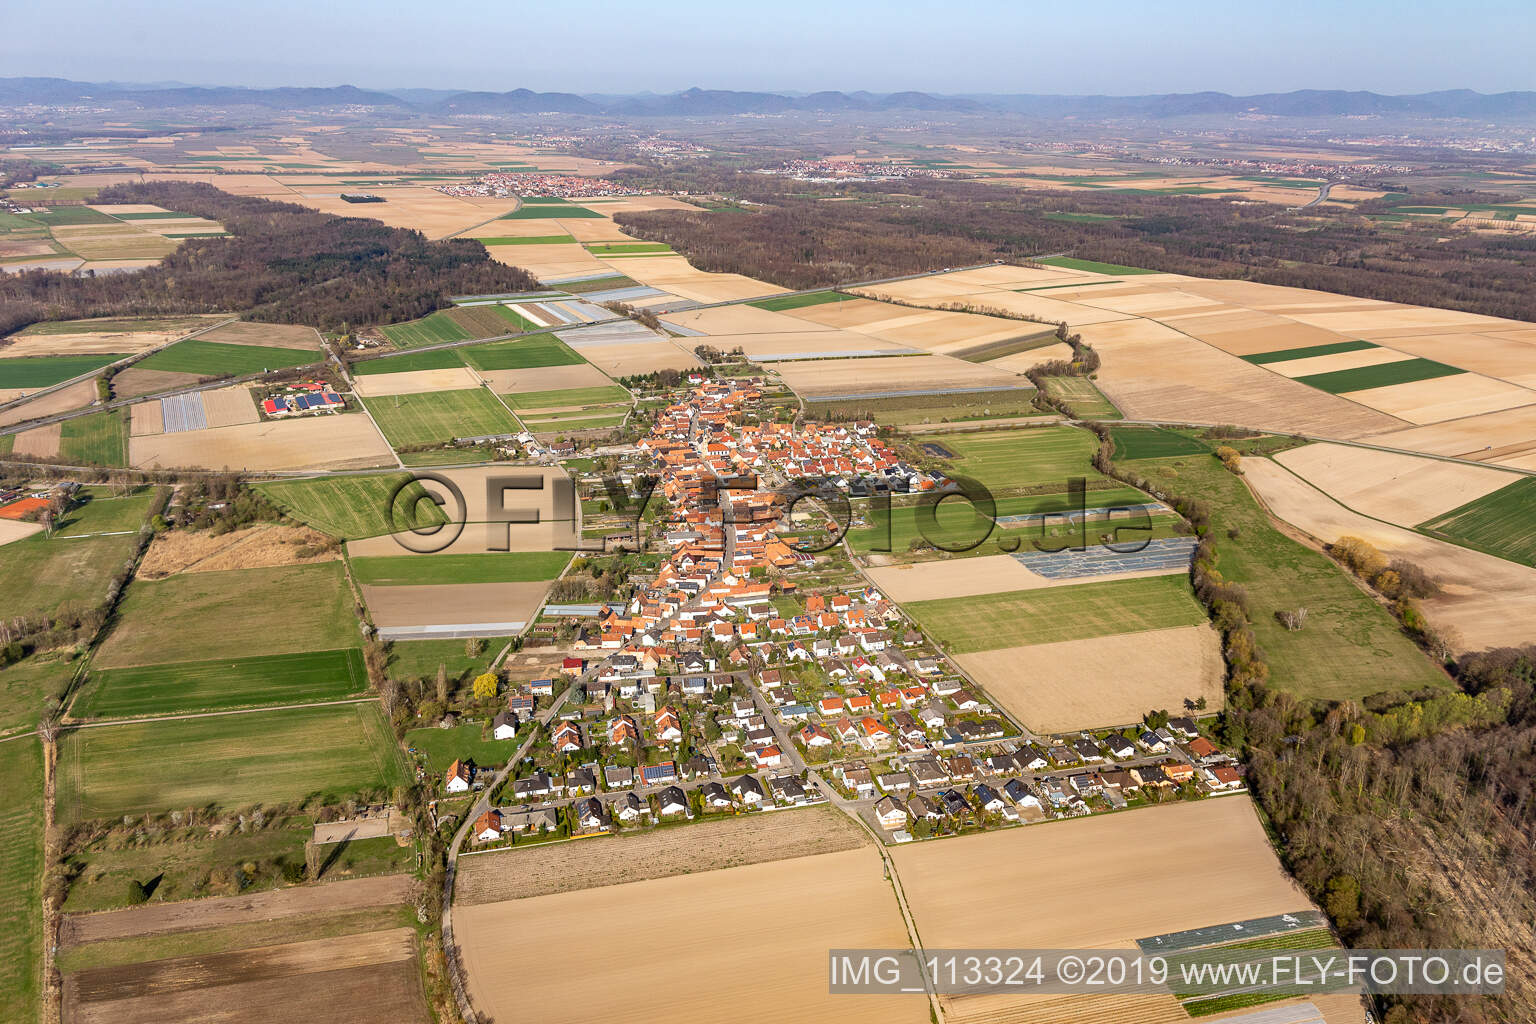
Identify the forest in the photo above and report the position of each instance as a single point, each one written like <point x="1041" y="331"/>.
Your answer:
<point x="281" y="263"/>
<point x="790" y="235"/>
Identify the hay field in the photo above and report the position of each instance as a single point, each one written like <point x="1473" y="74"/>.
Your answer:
<point x="1104" y="681"/>
<point x="261" y="546"/>
<point x="310" y="442"/>
<point x="878" y="375"/>
<point x="546" y="262"/>
<point x="711" y="845"/>
<point x="454" y="604"/>
<point x="732" y="961"/>
<point x="229" y="407"/>
<point x="1093" y="609"/>
<point x="1096" y="882"/>
<point x="794" y="345"/>
<point x="1401" y="489"/>
<point x="236" y="614"/>
<point x="421" y="207"/>
<point x="228" y="760"/>
<point x="82" y="337"/>
<point x="1487" y="601"/>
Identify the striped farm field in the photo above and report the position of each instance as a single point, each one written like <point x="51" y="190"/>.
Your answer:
<point x="436" y="329"/>
<point x="1085" y="399"/>
<point x="1362" y="378"/>
<point x="217" y="685"/>
<point x="21" y="868"/>
<point x="409" y="362"/>
<point x="448" y="569"/>
<point x="100" y="439"/>
<point x="964" y="624"/>
<point x="437" y="417"/>
<point x="269" y="757"/>
<point x="1153" y="443"/>
<point x="488" y="321"/>
<point x="564" y="397"/>
<point x="217" y="359"/>
<point x="1502" y="523"/>
<point x="354" y="507"/>
<point x="45" y="371"/>
<point x="573" y="421"/>
<point x="1001" y="459"/>
<point x="521" y="354"/>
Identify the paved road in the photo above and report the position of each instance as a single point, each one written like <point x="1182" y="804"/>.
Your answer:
<point x="1322" y="196"/>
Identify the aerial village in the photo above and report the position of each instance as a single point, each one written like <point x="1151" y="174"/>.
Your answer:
<point x="753" y="673"/>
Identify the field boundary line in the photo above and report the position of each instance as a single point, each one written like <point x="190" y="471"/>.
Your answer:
<point x="104" y="723"/>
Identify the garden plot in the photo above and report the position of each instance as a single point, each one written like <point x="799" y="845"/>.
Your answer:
<point x="1401" y="489"/>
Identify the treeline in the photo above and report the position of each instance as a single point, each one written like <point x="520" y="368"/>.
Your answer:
<point x="281" y="263"/>
<point x="802" y="241"/>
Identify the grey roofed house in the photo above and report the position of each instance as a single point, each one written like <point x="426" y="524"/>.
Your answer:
<point x="988" y="798"/>
<point x="1002" y="764"/>
<point x="927" y="772"/>
<point x="700" y="764"/>
<point x="954" y="802"/>
<point x="1184" y="727"/>
<point x="627" y="807"/>
<point x="1031" y="758"/>
<point x="672" y="800"/>
<point x="922" y="807"/>
<point x="591" y="813"/>
<point x="1015" y="790"/>
<point x="618" y="776"/>
<point x="894" y="782"/>
<point x="537" y="784"/>
<point x="1152" y="741"/>
<point x="580" y="780"/>
<point x="504" y="720"/>
<point x="747" y="789"/>
<point x="1064" y="755"/>
<point x="787" y="788"/>
<point x="1119" y="746"/>
<point x="531" y="821"/>
<point x="1087" y="749"/>
<point x="715" y="795"/>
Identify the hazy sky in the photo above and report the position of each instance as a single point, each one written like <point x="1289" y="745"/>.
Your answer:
<point x="1102" y="46"/>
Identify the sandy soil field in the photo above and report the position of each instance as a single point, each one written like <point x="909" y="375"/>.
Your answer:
<point x="368" y="977"/>
<point x="711" y="845"/>
<point x="133" y="382"/>
<point x="75" y="396"/>
<point x="267" y="905"/>
<point x="678" y="276"/>
<point x="585" y="229"/>
<point x="462" y="604"/>
<point x="823" y="378"/>
<point x="433" y="213"/>
<point x="86" y="344"/>
<point x="315" y="442"/>
<point x="1444" y="398"/>
<point x="1337" y="361"/>
<point x="1486" y="601"/>
<point x="39" y="442"/>
<point x="146" y="418"/>
<point x="253" y="547"/>
<point x="11" y="530"/>
<point x="1504" y="355"/>
<point x="1402" y="489"/>
<point x="720" y="924"/>
<point x="1504" y="438"/>
<point x="265" y="335"/>
<point x="413" y="382"/>
<point x="1112" y="680"/>
<point x="1101" y="881"/>
<point x="1369" y="323"/>
<point x="545" y="378"/>
<point x="790" y="345"/>
<point x="623" y="360"/>
<point x="1151" y="371"/>
<point x="547" y="262"/>
<point x="229" y="407"/>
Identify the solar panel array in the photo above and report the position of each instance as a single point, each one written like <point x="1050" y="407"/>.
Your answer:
<point x="183" y="412"/>
<point x="1165" y="553"/>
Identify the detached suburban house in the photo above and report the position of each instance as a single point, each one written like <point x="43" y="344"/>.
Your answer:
<point x="488" y="827"/>
<point x="461" y="774"/>
<point x="890" y="813"/>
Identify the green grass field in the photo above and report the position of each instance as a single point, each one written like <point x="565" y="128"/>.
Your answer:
<point x="35" y="372"/>
<point x="21" y="877"/>
<point x="439" y="416"/>
<point x="1153" y="443"/>
<point x="1285" y="355"/>
<point x="228" y="761"/>
<point x="441" y="747"/>
<point x="27" y="685"/>
<point x="491" y="567"/>
<point x="627" y="248"/>
<point x="407" y="362"/>
<point x="100" y="439"/>
<point x="1095" y="267"/>
<point x="57" y="572"/>
<point x="605" y="283"/>
<point x="966" y="624"/>
<point x="419" y="659"/>
<point x="573" y="421"/>
<point x="521" y="354"/>
<point x="957" y="522"/>
<point x="1001" y="459"/>
<point x="1350" y="647"/>
<point x="54" y="216"/>
<point x="7" y="443"/>
<point x="548" y="211"/>
<point x="529" y="240"/>
<point x="488" y="321"/>
<point x="219" y="359"/>
<point x="778" y="305"/>
<point x="604" y="394"/>
<point x="118" y="325"/>
<point x="1502" y="523"/>
<point x="218" y="685"/>
<point x="97" y="511"/>
<point x="354" y="507"/>
<point x="1382" y="375"/>
<point x="1083" y="396"/>
<point x="434" y="329"/>
<point x="233" y="614"/>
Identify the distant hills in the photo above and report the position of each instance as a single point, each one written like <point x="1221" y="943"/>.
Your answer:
<point x="1459" y="103"/>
